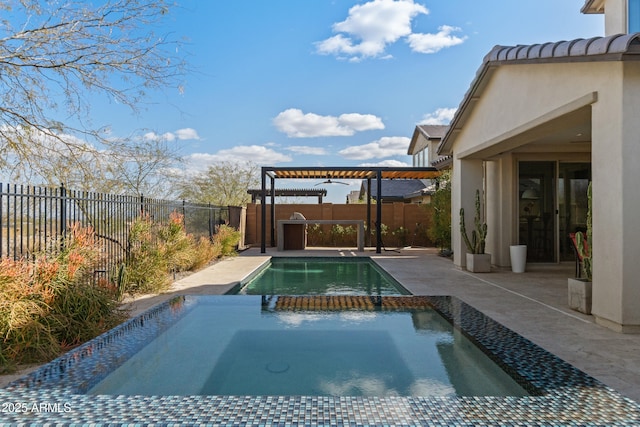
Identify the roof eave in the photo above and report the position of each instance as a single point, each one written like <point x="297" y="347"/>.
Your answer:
<point x="593" y="7"/>
<point x="619" y="47"/>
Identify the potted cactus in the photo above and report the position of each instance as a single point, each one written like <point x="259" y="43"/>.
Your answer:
<point x="477" y="260"/>
<point x="580" y="289"/>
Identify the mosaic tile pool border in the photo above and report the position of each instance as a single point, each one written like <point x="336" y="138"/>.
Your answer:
<point x="565" y="395"/>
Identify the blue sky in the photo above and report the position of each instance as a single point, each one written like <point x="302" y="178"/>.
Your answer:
<point x="332" y="82"/>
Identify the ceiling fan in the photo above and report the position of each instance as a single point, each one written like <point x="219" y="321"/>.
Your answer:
<point x="329" y="181"/>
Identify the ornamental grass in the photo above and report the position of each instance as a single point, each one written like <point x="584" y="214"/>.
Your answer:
<point x="49" y="303"/>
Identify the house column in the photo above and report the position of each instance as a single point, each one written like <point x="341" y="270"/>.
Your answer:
<point x="616" y="203"/>
<point x="492" y="209"/>
<point x="501" y="209"/>
<point x="467" y="177"/>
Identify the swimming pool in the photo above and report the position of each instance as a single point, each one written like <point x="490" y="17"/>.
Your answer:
<point x="322" y="346"/>
<point x="321" y="276"/>
<point x="561" y="394"/>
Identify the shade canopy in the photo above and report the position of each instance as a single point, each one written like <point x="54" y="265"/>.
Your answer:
<point x="356" y="172"/>
<point x="340" y="173"/>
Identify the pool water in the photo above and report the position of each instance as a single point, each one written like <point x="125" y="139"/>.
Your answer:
<point x="320" y="346"/>
<point x="322" y="276"/>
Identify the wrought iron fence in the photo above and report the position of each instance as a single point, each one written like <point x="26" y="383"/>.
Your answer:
<point x="34" y="218"/>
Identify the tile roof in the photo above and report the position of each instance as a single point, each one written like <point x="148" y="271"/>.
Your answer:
<point x="581" y="49"/>
<point x="433" y="131"/>
<point x="395" y="188"/>
<point x="610" y="48"/>
<point x="429" y="132"/>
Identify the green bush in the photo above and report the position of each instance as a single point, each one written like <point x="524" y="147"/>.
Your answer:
<point x="439" y="230"/>
<point x="176" y="246"/>
<point x="228" y="238"/>
<point x="147" y="268"/>
<point x="157" y="250"/>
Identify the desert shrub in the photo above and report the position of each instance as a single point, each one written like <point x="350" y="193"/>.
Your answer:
<point x="157" y="250"/>
<point x="228" y="238"/>
<point x="342" y="236"/>
<point x="401" y="235"/>
<point x="50" y="302"/>
<point x="81" y="311"/>
<point x="205" y="252"/>
<point x="175" y="245"/>
<point x="147" y="270"/>
<point x="315" y="235"/>
<point x="23" y="306"/>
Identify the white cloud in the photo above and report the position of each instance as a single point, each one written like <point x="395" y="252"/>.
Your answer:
<point x="297" y="124"/>
<point x="432" y="43"/>
<point x="187" y="133"/>
<point x="257" y="154"/>
<point x="181" y="134"/>
<point x="372" y="26"/>
<point x="442" y="116"/>
<point x="387" y="146"/>
<point x="390" y="163"/>
<point x="304" y="149"/>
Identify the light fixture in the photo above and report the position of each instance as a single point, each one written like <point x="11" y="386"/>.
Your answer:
<point x="530" y="194"/>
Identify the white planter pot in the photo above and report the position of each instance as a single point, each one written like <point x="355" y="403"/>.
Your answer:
<point x="479" y="263"/>
<point x="580" y="292"/>
<point x="518" y="258"/>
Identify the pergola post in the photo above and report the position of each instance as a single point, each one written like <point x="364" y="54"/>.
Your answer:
<point x="379" y="212"/>
<point x="273" y="211"/>
<point x="263" y="211"/>
<point x="369" y="211"/>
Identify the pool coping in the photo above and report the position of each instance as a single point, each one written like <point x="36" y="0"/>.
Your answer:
<point x="568" y="396"/>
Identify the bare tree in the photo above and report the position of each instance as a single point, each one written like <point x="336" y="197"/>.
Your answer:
<point x="143" y="168"/>
<point x="223" y="184"/>
<point x="54" y="54"/>
<point x="140" y="166"/>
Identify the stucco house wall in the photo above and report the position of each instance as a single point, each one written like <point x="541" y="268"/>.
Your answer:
<point x="526" y="110"/>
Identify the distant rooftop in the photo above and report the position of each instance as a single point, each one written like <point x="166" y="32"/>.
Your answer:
<point x="394" y="189"/>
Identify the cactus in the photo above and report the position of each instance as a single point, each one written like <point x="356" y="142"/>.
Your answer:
<point x="586" y="252"/>
<point x="475" y="245"/>
<point x="120" y="281"/>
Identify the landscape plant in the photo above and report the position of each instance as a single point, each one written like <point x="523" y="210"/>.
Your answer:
<point x="228" y="239"/>
<point x="475" y="244"/>
<point x="315" y="235"/>
<point x="155" y="251"/>
<point x="147" y="270"/>
<point x="402" y="235"/>
<point x="439" y="230"/>
<point x="50" y="301"/>
<point x="585" y="244"/>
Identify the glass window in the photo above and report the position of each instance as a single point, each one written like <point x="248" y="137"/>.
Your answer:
<point x="634" y="16"/>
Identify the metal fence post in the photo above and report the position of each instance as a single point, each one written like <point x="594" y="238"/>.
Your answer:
<point x="211" y="227"/>
<point x="63" y="210"/>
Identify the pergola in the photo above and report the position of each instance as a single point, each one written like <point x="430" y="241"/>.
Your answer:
<point x="339" y="173"/>
<point x="290" y="192"/>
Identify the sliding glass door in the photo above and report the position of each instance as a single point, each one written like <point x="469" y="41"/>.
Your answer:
<point x="573" y="181"/>
<point x="552" y="202"/>
<point x="536" y="210"/>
